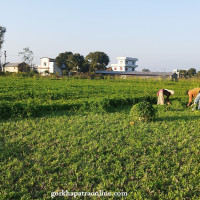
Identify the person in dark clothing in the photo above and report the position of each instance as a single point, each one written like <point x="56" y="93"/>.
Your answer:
<point x="161" y="94"/>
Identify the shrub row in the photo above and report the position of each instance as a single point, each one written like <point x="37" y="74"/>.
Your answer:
<point x="33" y="108"/>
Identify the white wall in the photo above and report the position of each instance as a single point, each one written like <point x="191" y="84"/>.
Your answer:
<point x="44" y="62"/>
<point x="124" y="64"/>
<point x="51" y="67"/>
<point x="10" y="69"/>
<point x="54" y="68"/>
<point x="46" y="65"/>
<point x="121" y="62"/>
<point x="117" y="67"/>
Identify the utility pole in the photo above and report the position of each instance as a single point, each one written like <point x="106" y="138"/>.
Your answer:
<point x="5" y="56"/>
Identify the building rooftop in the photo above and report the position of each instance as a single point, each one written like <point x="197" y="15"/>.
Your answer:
<point x="135" y="73"/>
<point x="11" y="64"/>
<point x="127" y="58"/>
<point x="50" y="59"/>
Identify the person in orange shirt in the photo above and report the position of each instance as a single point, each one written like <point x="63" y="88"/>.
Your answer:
<point x="192" y="94"/>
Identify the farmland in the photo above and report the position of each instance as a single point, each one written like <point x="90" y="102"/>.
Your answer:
<point x="75" y="135"/>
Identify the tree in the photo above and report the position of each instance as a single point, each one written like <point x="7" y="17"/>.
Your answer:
<point x="2" y="32"/>
<point x="76" y="62"/>
<point x="191" y="72"/>
<point x="85" y="67"/>
<point x="97" y="60"/>
<point x="27" y="56"/>
<point x="183" y="73"/>
<point x="145" y="70"/>
<point x="64" y="59"/>
<point x="73" y="62"/>
<point x="24" y="67"/>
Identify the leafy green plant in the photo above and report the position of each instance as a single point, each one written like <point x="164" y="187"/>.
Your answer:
<point x="162" y="108"/>
<point x="142" y="111"/>
<point x="178" y="105"/>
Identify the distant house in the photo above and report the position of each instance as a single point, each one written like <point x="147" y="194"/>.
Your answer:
<point x="163" y="75"/>
<point x="48" y="65"/>
<point x="16" y="67"/>
<point x="124" y="64"/>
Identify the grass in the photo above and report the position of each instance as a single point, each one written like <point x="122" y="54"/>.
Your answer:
<point x="96" y="150"/>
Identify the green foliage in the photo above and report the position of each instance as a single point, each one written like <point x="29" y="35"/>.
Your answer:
<point x="178" y="104"/>
<point x="162" y="108"/>
<point x="185" y="73"/>
<point x="98" y="60"/>
<point x="76" y="62"/>
<point x="63" y="59"/>
<point x="73" y="62"/>
<point x="2" y="32"/>
<point x="175" y="106"/>
<point x="142" y="111"/>
<point x="191" y="72"/>
<point x="36" y="96"/>
<point x="145" y="70"/>
<point x="85" y="67"/>
<point x="23" y="67"/>
<point x="76" y="136"/>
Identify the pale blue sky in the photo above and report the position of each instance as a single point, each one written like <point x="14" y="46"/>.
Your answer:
<point x="162" y="34"/>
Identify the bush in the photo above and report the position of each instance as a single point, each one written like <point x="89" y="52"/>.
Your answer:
<point x="5" y="110"/>
<point x="142" y="111"/>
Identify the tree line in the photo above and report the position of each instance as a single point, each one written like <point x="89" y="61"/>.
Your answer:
<point x="73" y="62"/>
<point x="188" y="73"/>
<point x="76" y="62"/>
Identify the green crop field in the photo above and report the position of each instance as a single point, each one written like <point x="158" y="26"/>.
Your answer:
<point x="75" y="135"/>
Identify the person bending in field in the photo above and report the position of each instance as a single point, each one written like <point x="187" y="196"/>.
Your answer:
<point x="194" y="93"/>
<point x="161" y="94"/>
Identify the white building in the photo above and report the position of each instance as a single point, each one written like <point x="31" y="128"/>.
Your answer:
<point x="48" y="65"/>
<point x="10" y="67"/>
<point x="16" y="67"/>
<point x="125" y="64"/>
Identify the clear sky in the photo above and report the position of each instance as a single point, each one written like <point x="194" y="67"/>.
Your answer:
<point x="163" y="34"/>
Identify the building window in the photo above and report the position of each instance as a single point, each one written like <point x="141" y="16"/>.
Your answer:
<point x="45" y="64"/>
<point x="126" y="62"/>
